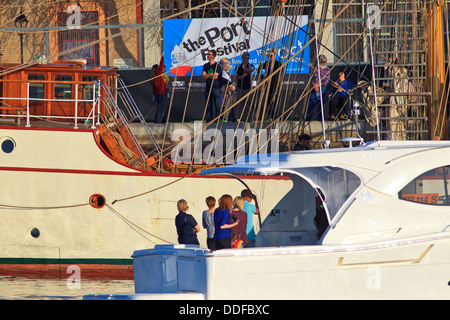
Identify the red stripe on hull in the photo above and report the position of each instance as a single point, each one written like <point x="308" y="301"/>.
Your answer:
<point x="90" y="271"/>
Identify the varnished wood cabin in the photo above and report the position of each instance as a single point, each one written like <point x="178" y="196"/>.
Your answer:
<point x="62" y="89"/>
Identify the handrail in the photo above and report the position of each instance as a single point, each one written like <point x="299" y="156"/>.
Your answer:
<point x="107" y="101"/>
<point x="48" y="81"/>
<point x="27" y="100"/>
<point x="116" y="113"/>
<point x="134" y="110"/>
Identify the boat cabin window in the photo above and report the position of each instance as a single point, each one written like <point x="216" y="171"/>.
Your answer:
<point x="87" y="90"/>
<point x="63" y="90"/>
<point x="336" y="185"/>
<point x="431" y="187"/>
<point x="36" y="89"/>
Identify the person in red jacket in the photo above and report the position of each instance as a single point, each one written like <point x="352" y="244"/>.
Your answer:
<point x="159" y="91"/>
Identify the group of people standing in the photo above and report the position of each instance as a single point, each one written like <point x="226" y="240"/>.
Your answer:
<point x="221" y="92"/>
<point x="230" y="225"/>
<point x="339" y="103"/>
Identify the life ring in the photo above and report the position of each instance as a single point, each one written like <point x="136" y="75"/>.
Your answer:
<point x="440" y="3"/>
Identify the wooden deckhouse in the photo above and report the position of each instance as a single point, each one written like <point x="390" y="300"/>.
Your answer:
<point x="64" y="91"/>
<point x="68" y="94"/>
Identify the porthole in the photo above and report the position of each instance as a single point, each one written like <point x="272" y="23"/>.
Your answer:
<point x="97" y="201"/>
<point x="7" y="144"/>
<point x="35" y="233"/>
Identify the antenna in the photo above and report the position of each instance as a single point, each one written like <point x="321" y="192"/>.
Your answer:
<point x="325" y="143"/>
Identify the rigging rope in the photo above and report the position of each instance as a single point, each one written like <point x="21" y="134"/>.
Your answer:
<point x="91" y="43"/>
<point x="320" y="92"/>
<point x="134" y="226"/>
<point x="153" y="190"/>
<point x="278" y="12"/>
<point x="6" y="206"/>
<point x="268" y="78"/>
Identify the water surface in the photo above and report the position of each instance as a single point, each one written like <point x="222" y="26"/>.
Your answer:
<point x="18" y="288"/>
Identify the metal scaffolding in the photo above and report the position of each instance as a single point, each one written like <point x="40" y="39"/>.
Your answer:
<point x="400" y="53"/>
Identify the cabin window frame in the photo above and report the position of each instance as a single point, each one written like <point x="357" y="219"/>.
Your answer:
<point x="87" y="90"/>
<point x="429" y="188"/>
<point x="34" y="86"/>
<point x="325" y="179"/>
<point x="56" y="95"/>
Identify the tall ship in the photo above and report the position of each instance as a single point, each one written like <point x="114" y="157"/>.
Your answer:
<point x="81" y="190"/>
<point x="87" y="180"/>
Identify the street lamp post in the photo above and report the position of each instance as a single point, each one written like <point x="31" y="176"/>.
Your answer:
<point x="21" y="22"/>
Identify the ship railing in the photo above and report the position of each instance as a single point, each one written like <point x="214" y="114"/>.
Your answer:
<point x="24" y="110"/>
<point x="114" y="115"/>
<point x="100" y="100"/>
<point x="131" y="113"/>
<point x="134" y="112"/>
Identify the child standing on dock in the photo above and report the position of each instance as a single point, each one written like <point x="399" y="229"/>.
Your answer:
<point x="187" y="227"/>
<point x="240" y="231"/>
<point x="208" y="222"/>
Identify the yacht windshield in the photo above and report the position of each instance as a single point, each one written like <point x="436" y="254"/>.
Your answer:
<point x="337" y="185"/>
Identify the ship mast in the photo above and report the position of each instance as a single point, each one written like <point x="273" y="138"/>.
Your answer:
<point x="436" y="74"/>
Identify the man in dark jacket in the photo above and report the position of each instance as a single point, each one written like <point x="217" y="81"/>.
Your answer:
<point x="243" y="76"/>
<point x="303" y="143"/>
<point x="266" y="69"/>
<point x="211" y="72"/>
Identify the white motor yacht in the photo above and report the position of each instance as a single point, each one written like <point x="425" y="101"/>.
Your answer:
<point x="368" y="222"/>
